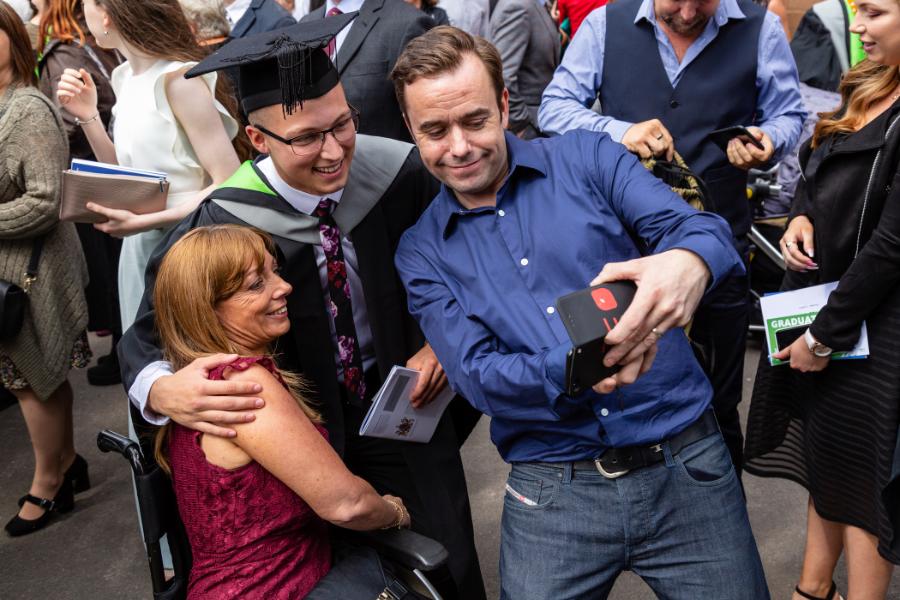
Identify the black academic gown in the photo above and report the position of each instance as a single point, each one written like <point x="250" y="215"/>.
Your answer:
<point x="429" y="477"/>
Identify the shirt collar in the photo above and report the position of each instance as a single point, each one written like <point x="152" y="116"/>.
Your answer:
<point x="727" y="9"/>
<point x="301" y="201"/>
<point x="523" y="155"/>
<point x="345" y="6"/>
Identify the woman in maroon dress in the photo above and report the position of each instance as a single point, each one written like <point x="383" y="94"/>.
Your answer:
<point x="255" y="505"/>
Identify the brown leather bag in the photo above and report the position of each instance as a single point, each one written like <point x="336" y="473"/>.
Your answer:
<point x="140" y="195"/>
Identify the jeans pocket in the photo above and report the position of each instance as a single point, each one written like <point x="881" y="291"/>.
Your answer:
<point x="706" y="462"/>
<point x="529" y="493"/>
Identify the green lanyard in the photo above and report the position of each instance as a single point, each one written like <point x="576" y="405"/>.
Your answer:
<point x="857" y="54"/>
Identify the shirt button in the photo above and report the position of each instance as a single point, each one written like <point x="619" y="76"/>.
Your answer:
<point x="604" y="412"/>
<point x="524" y="262"/>
<point x="501" y="212"/>
<point x="550" y="310"/>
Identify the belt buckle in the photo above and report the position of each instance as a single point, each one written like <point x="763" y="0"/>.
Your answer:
<point x="606" y="473"/>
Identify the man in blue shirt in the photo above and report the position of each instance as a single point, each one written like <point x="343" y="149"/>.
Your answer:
<point x="703" y="65"/>
<point x="634" y="473"/>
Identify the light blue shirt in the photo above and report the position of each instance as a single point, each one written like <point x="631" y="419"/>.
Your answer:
<point x="566" y="103"/>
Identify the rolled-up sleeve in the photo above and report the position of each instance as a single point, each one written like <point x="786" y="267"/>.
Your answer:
<point x="780" y="104"/>
<point x="567" y="100"/>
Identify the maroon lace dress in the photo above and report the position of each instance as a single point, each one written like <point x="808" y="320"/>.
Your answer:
<point x="251" y="536"/>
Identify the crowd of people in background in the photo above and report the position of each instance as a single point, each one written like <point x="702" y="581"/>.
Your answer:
<point x="359" y="184"/>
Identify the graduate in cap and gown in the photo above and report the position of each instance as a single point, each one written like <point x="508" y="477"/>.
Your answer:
<point x="336" y="203"/>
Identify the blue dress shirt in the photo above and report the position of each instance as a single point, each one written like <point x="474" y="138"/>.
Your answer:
<point x="566" y="103"/>
<point x="483" y="285"/>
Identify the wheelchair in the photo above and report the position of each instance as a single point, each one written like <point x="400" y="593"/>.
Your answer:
<point x="412" y="555"/>
<point x="767" y="266"/>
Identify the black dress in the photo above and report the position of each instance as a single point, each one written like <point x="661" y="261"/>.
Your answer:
<point x="835" y="432"/>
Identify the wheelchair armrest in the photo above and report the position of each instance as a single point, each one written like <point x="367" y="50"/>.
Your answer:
<point x="110" y="441"/>
<point x="407" y="548"/>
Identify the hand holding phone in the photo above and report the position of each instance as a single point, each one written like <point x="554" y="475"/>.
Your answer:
<point x="588" y="316"/>
<point x="721" y="137"/>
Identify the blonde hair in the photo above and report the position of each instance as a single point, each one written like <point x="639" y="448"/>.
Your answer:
<point x="202" y="269"/>
<point x="863" y="86"/>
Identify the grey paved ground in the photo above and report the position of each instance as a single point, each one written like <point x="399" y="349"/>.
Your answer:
<point x="94" y="552"/>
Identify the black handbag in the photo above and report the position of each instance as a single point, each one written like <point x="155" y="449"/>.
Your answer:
<point x="14" y="299"/>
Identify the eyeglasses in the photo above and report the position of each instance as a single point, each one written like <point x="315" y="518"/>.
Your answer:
<point x="308" y="144"/>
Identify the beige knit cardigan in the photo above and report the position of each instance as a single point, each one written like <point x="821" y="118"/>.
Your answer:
<point x="33" y="154"/>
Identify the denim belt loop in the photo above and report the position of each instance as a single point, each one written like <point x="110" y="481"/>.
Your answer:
<point x="568" y="470"/>
<point x="667" y="452"/>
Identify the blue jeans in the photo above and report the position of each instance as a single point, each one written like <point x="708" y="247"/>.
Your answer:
<point x="681" y="525"/>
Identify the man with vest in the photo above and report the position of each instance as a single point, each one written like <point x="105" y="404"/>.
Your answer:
<point x="667" y="73"/>
<point x="317" y="179"/>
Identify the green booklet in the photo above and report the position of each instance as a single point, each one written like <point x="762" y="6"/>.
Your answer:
<point x="787" y="315"/>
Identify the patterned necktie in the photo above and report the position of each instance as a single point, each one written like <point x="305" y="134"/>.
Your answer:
<point x="332" y="45"/>
<point x="340" y="307"/>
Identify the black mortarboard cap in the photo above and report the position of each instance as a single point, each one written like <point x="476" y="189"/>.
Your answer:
<point x="285" y="66"/>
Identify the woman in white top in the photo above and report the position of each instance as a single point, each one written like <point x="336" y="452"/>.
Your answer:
<point x="161" y="122"/>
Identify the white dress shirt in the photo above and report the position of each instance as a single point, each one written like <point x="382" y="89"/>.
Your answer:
<point x="301" y="9"/>
<point x="345" y="6"/>
<point x="236" y="10"/>
<point x="139" y="391"/>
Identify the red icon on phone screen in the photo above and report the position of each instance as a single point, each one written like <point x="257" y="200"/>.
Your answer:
<point x="604" y="299"/>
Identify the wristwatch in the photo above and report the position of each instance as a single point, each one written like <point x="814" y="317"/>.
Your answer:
<point x="815" y="346"/>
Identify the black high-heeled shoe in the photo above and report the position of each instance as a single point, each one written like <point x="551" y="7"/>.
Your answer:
<point x="63" y="502"/>
<point x="831" y="595"/>
<point x="77" y="474"/>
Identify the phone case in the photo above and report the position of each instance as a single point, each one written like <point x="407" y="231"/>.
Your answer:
<point x="721" y="137"/>
<point x="786" y="337"/>
<point x="588" y="316"/>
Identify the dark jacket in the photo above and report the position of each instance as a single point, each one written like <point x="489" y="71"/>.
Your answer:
<point x="59" y="56"/>
<point x="855" y="209"/>
<point x="263" y="15"/>
<point x="821" y="45"/>
<point x="365" y="59"/>
<point x="437" y="14"/>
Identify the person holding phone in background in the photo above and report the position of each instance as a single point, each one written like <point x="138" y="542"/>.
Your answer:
<point x="832" y="426"/>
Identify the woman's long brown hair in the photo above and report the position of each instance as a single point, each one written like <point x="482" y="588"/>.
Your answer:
<point x="199" y="271"/>
<point x="160" y="28"/>
<point x="862" y="87"/>
<point x="21" y="56"/>
<point x="61" y="21"/>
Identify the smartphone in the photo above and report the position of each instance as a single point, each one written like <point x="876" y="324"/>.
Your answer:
<point x="721" y="137"/>
<point x="588" y="316"/>
<point x="786" y="337"/>
<point x="584" y="367"/>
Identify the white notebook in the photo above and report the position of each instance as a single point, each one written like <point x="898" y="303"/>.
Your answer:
<point x="391" y="416"/>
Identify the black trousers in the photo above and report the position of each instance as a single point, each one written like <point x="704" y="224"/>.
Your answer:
<point x="719" y="335"/>
<point x="430" y="480"/>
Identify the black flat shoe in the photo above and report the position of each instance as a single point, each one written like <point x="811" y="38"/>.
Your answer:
<point x="63" y="502"/>
<point x="77" y="474"/>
